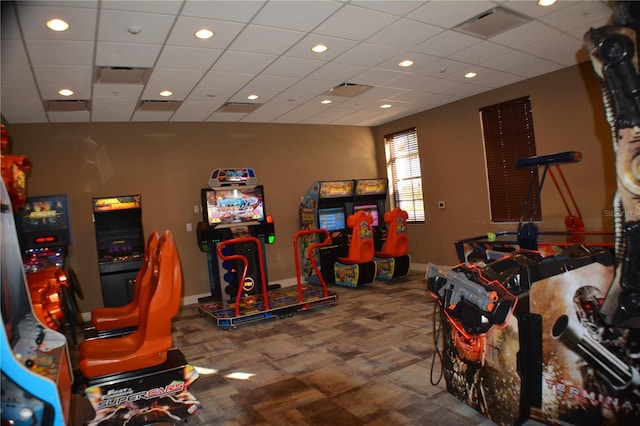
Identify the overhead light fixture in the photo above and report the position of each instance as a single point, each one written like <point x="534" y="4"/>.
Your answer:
<point x="326" y="101"/>
<point x="57" y="25"/>
<point x="253" y="97"/>
<point x="385" y="106"/>
<point x="406" y="63"/>
<point x="65" y="92"/>
<point x="319" y="48"/>
<point x="470" y="74"/>
<point x="166" y="93"/>
<point x="545" y="3"/>
<point x="204" y="34"/>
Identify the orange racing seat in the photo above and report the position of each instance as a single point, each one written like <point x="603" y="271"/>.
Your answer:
<point x="397" y="242"/>
<point x="148" y="345"/>
<point x="110" y="318"/>
<point x="361" y="245"/>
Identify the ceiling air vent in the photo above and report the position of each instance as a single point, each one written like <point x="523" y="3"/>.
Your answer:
<point x="348" y="90"/>
<point x="239" y="107"/>
<point x="491" y="23"/>
<point x="158" y="106"/>
<point x="122" y="75"/>
<point x="68" y="105"/>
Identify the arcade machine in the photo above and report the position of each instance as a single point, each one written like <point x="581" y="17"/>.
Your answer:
<point x="120" y="243"/>
<point x="44" y="231"/>
<point x="36" y="367"/>
<point x="326" y="205"/>
<point x="569" y="352"/>
<point x="392" y="260"/>
<point x="233" y="207"/>
<point x="233" y="234"/>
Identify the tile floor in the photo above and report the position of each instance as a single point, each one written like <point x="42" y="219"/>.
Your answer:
<point x="366" y="361"/>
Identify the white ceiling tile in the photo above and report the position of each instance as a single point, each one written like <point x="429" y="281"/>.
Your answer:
<point x="525" y="34"/>
<point x="409" y="81"/>
<point x="127" y="54"/>
<point x="195" y="111"/>
<point x="522" y="64"/>
<point x="114" y="26"/>
<point x="295" y="15"/>
<point x="336" y="46"/>
<point x="560" y="48"/>
<point x="419" y="60"/>
<point x="447" y="14"/>
<point x="170" y="7"/>
<point x="333" y="71"/>
<point x="67" y="52"/>
<point x="392" y="7"/>
<point x="367" y="55"/>
<point x="117" y="91"/>
<point x="9" y="30"/>
<point x="377" y="76"/>
<point x="114" y="106"/>
<point x="480" y="52"/>
<point x="271" y="83"/>
<point x="63" y="75"/>
<point x="152" y="93"/>
<point x="341" y="24"/>
<point x="187" y="57"/>
<point x="32" y="113"/>
<point x="261" y="39"/>
<point x="225" y="80"/>
<point x="18" y="75"/>
<point x="184" y="29"/>
<point x="446" y="43"/>
<point x="404" y="33"/>
<point x="210" y="95"/>
<point x="82" y="22"/>
<point x="245" y="62"/>
<point x="13" y="53"/>
<point x="69" y="117"/>
<point x="579" y="15"/>
<point x="173" y="77"/>
<point x="230" y="10"/>
<point x="79" y="91"/>
<point x="442" y="68"/>
<point x="292" y="67"/>
<point x="225" y="117"/>
<point x="13" y="94"/>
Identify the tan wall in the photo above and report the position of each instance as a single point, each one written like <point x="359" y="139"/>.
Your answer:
<point x="168" y="163"/>
<point x="567" y="115"/>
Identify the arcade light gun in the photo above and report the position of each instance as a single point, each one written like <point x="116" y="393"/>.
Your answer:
<point x="473" y="305"/>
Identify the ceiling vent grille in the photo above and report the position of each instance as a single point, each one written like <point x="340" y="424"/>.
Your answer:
<point x="348" y="90"/>
<point x="122" y="75"/>
<point x="159" y="106"/>
<point x="239" y="107"/>
<point x="68" y="105"/>
<point x="491" y="23"/>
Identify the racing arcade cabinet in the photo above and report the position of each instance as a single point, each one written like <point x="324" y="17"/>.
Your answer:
<point x="120" y="240"/>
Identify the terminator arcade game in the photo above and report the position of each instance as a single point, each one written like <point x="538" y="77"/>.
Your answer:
<point x="120" y="241"/>
<point x="567" y="350"/>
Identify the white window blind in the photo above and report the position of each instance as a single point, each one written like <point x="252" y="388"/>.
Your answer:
<point x="404" y="173"/>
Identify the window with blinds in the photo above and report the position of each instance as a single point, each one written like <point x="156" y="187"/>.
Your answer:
<point x="508" y="136"/>
<point x="403" y="171"/>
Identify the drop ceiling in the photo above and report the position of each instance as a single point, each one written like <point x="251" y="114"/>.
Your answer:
<point x="264" y="48"/>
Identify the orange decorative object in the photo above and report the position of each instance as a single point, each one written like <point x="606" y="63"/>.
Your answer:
<point x="148" y="345"/>
<point x="361" y="245"/>
<point x="46" y="295"/>
<point x="14" y="172"/>
<point x="397" y="242"/>
<point x="111" y="318"/>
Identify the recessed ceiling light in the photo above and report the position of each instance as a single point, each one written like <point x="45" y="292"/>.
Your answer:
<point x="406" y="63"/>
<point x="319" y="48"/>
<point x="326" y="101"/>
<point x="470" y="74"/>
<point x="544" y="3"/>
<point x="252" y="97"/>
<point x="385" y="106"/>
<point x="57" y="25"/>
<point x="65" y="92"/>
<point x="166" y="93"/>
<point x="204" y="34"/>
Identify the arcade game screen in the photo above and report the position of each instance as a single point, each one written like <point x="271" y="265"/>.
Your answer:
<point x="372" y="209"/>
<point x="41" y="214"/>
<point x="233" y="205"/>
<point x="332" y="219"/>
